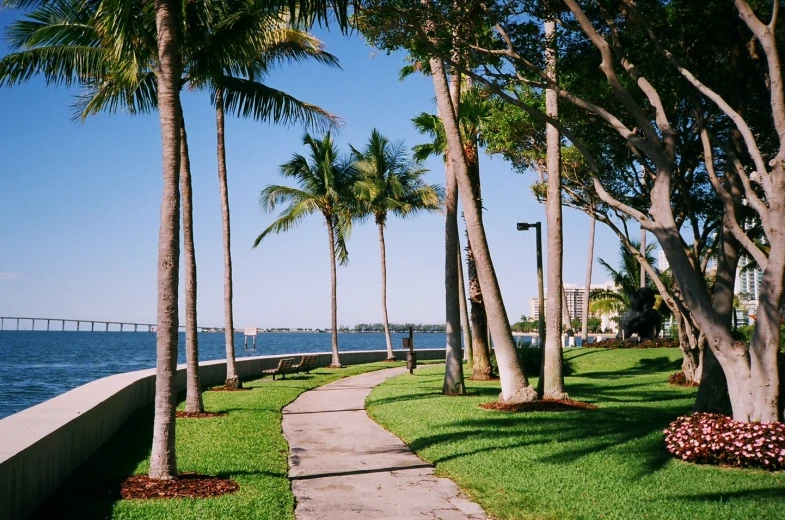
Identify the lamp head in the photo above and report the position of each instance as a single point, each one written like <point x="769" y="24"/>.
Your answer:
<point x="523" y="226"/>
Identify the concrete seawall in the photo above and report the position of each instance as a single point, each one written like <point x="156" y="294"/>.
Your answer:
<point x="42" y="445"/>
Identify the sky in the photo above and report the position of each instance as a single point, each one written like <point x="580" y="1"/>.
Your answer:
<point x="80" y="209"/>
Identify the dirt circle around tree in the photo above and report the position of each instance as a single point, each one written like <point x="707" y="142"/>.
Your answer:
<point x="186" y="485"/>
<point x="540" y="405"/>
<point x="227" y="389"/>
<point x="199" y="415"/>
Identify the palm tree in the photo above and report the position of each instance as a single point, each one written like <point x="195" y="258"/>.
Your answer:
<point x="514" y="384"/>
<point x="92" y="40"/>
<point x="474" y="109"/>
<point x="390" y="183"/>
<point x="627" y="278"/>
<point x="325" y="186"/>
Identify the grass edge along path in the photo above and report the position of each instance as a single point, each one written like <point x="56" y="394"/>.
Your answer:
<point x="609" y="463"/>
<point x="246" y="445"/>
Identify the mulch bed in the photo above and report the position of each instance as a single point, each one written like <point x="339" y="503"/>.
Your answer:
<point x="199" y="415"/>
<point x="225" y="389"/>
<point x="541" y="405"/>
<point x="187" y="485"/>
<point x="679" y="379"/>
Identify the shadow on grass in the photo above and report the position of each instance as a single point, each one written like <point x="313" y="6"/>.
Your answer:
<point x="116" y="459"/>
<point x="644" y="366"/>
<point x="744" y="494"/>
<point x="567" y="437"/>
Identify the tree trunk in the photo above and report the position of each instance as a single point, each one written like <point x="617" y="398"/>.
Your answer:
<point x="765" y="346"/>
<point x="336" y="360"/>
<point x="515" y="386"/>
<point x="482" y="369"/>
<point x="713" y="391"/>
<point x="643" y="254"/>
<point x="453" y="372"/>
<point x="163" y="460"/>
<point x="232" y="379"/>
<point x="386" y="322"/>
<point x="732" y="356"/>
<point x="193" y="391"/>
<point x="587" y="291"/>
<point x="552" y="380"/>
<point x="465" y="328"/>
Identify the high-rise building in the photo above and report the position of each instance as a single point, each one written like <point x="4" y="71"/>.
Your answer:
<point x="662" y="261"/>
<point x="575" y="295"/>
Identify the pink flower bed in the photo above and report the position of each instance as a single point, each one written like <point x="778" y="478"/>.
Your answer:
<point x="707" y="438"/>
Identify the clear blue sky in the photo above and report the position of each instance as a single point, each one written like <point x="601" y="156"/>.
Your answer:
<point x="79" y="209"/>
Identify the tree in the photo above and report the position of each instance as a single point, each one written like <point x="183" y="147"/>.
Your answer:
<point x="587" y="290"/>
<point x="473" y="110"/>
<point x="237" y="48"/>
<point x="388" y="182"/>
<point x="383" y="27"/>
<point x="325" y="186"/>
<point x="551" y="382"/>
<point x="108" y="43"/>
<point x="752" y="376"/>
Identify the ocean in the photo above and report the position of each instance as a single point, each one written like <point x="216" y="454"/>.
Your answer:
<point x="38" y="365"/>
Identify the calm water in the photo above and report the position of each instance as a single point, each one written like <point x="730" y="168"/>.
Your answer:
<point x="38" y="365"/>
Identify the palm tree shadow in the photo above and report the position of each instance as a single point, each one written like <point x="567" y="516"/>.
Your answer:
<point x="84" y="493"/>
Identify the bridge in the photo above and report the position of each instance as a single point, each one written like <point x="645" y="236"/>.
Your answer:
<point x="103" y="325"/>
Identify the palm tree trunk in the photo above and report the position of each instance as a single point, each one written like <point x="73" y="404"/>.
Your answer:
<point x="232" y="379"/>
<point x="193" y="392"/>
<point x="453" y="372"/>
<point x="515" y="386"/>
<point x="386" y="322"/>
<point x="482" y="369"/>
<point x="467" y="331"/>
<point x="336" y="360"/>
<point x="552" y="380"/>
<point x="587" y="291"/>
<point x="163" y="461"/>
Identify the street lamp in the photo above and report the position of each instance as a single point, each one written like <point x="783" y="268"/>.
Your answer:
<point x="523" y="226"/>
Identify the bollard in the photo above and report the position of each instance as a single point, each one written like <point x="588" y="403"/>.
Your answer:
<point x="411" y="356"/>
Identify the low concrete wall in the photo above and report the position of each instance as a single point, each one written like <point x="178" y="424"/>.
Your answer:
<point x="42" y="445"/>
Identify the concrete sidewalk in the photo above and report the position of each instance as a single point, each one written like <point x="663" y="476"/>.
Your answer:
<point x="342" y="465"/>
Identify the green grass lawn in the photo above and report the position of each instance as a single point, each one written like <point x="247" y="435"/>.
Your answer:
<point x="247" y="446"/>
<point x="609" y="463"/>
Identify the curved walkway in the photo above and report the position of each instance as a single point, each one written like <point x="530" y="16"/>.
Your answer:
<point x="342" y="465"/>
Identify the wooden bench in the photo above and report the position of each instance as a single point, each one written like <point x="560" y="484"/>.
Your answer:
<point x="285" y="366"/>
<point x="306" y="364"/>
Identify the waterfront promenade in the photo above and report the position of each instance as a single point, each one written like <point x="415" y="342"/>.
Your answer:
<point x="342" y="465"/>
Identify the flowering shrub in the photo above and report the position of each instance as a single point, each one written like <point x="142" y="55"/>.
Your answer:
<point x="649" y="343"/>
<point x="707" y="438"/>
<point x="679" y="379"/>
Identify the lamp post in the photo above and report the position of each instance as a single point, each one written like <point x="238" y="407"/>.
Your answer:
<point x="523" y="226"/>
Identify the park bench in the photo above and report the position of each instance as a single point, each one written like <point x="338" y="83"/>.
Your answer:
<point x="306" y="364"/>
<point x="285" y="366"/>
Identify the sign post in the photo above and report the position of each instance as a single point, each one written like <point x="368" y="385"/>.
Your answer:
<point x="250" y="332"/>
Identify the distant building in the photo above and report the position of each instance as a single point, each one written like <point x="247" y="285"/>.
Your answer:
<point x="575" y="297"/>
<point x="662" y="261"/>
<point x="747" y="290"/>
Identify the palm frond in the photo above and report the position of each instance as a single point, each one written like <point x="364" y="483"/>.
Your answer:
<point x="246" y="98"/>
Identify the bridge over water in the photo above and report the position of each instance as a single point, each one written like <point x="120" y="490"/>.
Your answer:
<point x="59" y="324"/>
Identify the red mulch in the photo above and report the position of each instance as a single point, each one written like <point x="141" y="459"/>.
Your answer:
<point x="199" y="415"/>
<point x="226" y="389"/>
<point x="541" y="405"/>
<point x="187" y="485"/>
<point x="679" y="379"/>
<point x="494" y="378"/>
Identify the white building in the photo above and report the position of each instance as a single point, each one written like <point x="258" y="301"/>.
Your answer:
<point x="662" y="261"/>
<point x="575" y="296"/>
